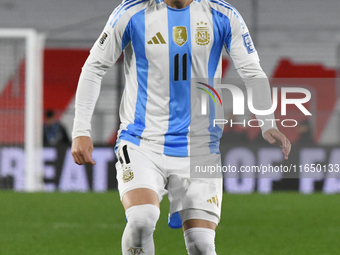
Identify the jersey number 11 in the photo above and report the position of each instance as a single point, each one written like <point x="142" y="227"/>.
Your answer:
<point x="184" y="67"/>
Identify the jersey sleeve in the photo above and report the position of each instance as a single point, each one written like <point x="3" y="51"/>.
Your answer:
<point x="255" y="79"/>
<point x="239" y="44"/>
<point x="113" y="39"/>
<point x="103" y="55"/>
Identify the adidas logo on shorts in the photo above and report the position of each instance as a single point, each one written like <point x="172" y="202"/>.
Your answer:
<point x="213" y="200"/>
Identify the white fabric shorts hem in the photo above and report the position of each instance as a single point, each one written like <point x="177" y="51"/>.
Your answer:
<point x="140" y="187"/>
<point x="190" y="214"/>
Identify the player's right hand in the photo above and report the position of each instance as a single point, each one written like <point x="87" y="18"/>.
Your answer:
<point x="275" y="137"/>
<point x="82" y="148"/>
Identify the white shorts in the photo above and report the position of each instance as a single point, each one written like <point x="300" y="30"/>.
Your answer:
<point x="140" y="168"/>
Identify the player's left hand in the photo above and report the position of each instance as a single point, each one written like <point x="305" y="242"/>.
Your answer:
<point x="275" y="137"/>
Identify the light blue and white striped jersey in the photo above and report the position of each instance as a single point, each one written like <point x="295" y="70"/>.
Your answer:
<point x="164" y="49"/>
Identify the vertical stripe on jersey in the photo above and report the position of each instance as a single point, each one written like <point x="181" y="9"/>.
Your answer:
<point x="126" y="37"/>
<point x="219" y="24"/>
<point x="137" y="36"/>
<point x="157" y="107"/>
<point x="221" y="30"/>
<point x="176" y="142"/>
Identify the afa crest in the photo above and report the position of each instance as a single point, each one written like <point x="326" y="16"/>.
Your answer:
<point x="202" y="36"/>
<point x="179" y="35"/>
<point x="127" y="175"/>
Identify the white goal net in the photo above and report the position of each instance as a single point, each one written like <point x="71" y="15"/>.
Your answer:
<point x="21" y="52"/>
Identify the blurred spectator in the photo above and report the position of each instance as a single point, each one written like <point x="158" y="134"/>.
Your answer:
<point x="305" y="132"/>
<point x="54" y="132"/>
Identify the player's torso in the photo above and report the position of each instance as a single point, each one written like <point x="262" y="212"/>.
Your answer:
<point x="178" y="41"/>
<point x="168" y="49"/>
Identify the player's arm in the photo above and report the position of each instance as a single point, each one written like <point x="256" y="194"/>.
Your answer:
<point x="254" y="78"/>
<point x="244" y="55"/>
<point x="103" y="55"/>
<point x="86" y="97"/>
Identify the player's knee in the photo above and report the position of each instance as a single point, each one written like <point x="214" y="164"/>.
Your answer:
<point x="200" y="241"/>
<point x="201" y="248"/>
<point x="142" y="220"/>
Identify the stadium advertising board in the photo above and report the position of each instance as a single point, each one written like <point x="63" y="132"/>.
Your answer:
<point x="245" y="168"/>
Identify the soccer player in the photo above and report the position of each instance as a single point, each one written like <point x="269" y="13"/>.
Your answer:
<point x="166" y="44"/>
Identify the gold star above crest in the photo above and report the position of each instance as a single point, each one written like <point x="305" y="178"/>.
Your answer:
<point x="201" y="23"/>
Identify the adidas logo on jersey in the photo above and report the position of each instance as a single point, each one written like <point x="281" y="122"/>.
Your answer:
<point x="158" y="39"/>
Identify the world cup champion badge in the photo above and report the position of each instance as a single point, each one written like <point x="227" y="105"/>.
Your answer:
<point x="179" y="35"/>
<point x="202" y="36"/>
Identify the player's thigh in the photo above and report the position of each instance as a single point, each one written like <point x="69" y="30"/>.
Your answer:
<point x="197" y="218"/>
<point x="140" y="179"/>
<point x="197" y="223"/>
<point x="201" y="194"/>
<point x="140" y="196"/>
